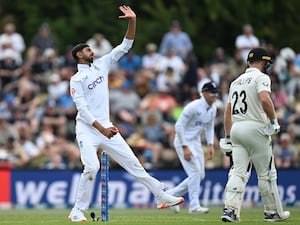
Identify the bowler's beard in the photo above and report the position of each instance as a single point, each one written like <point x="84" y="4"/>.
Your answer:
<point x="88" y="59"/>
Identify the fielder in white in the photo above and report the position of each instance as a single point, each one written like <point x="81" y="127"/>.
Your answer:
<point x="197" y="117"/>
<point x="249" y="122"/>
<point x="89" y="90"/>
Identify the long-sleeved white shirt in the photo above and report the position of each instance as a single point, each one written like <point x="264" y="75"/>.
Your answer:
<point x="89" y="86"/>
<point x="196" y="117"/>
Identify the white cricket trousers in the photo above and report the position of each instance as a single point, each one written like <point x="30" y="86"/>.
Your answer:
<point x="90" y="140"/>
<point x="195" y="170"/>
<point x="248" y="143"/>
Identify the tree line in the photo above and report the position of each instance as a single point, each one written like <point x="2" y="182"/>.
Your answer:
<point x="210" y="23"/>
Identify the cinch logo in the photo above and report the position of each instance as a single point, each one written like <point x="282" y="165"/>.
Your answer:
<point x="198" y="123"/>
<point x="95" y="82"/>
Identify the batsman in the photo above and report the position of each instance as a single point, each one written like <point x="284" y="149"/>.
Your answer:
<point x="249" y="123"/>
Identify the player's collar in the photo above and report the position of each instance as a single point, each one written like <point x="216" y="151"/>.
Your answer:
<point x="251" y="69"/>
<point x="205" y="104"/>
<point x="83" y="66"/>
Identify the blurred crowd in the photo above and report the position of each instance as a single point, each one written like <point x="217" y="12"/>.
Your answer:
<point x="147" y="94"/>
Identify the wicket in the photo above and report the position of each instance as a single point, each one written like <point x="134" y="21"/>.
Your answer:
<point x="104" y="186"/>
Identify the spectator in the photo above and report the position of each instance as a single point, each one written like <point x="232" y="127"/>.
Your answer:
<point x="16" y="155"/>
<point x="176" y="39"/>
<point x="57" y="87"/>
<point x="6" y="129"/>
<point x="190" y="77"/>
<point x="161" y="101"/>
<point x="27" y="143"/>
<point x="237" y="64"/>
<point x="13" y="41"/>
<point x="50" y="60"/>
<point x="4" y="162"/>
<point x="158" y="136"/>
<point x="173" y="61"/>
<point x="99" y="44"/>
<point x="144" y="83"/>
<point x="67" y="108"/>
<point x="130" y="63"/>
<point x="41" y="47"/>
<point x="9" y="69"/>
<point x="206" y="74"/>
<point x="42" y="40"/>
<point x="26" y="99"/>
<point x="55" y="163"/>
<point x="219" y="61"/>
<point x="54" y="118"/>
<point x="168" y="80"/>
<point x="151" y="59"/>
<point x="67" y="60"/>
<point x="43" y="66"/>
<point x="124" y="103"/>
<point x="246" y="41"/>
<point x="279" y="97"/>
<point x="59" y="152"/>
<point x="288" y="73"/>
<point x="294" y="120"/>
<point x="285" y="152"/>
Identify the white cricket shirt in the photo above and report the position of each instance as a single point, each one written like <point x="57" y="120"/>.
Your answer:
<point x="244" y="96"/>
<point x="89" y="86"/>
<point x="197" y="116"/>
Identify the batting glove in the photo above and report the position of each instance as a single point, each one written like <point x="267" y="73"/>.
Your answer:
<point x="272" y="128"/>
<point x="228" y="140"/>
<point x="226" y="145"/>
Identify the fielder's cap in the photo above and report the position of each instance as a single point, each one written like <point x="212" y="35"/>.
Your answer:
<point x="210" y="87"/>
<point x="78" y="48"/>
<point x="258" y="54"/>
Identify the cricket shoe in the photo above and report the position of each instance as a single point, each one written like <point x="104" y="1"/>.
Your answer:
<point x="166" y="200"/>
<point x="77" y="215"/>
<point x="199" y="210"/>
<point x="274" y="217"/>
<point x="229" y="216"/>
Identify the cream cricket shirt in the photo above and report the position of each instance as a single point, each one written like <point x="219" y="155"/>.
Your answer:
<point x="196" y="117"/>
<point x="89" y="86"/>
<point x="244" y="98"/>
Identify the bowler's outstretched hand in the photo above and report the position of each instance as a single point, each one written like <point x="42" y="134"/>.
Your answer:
<point x="128" y="13"/>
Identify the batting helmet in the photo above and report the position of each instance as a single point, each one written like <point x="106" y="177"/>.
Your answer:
<point x="258" y="54"/>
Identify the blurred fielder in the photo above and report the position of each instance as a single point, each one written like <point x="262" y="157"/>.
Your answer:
<point x="249" y="122"/>
<point x="197" y="117"/>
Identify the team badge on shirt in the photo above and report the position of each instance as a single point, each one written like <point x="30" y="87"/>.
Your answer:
<point x="266" y="84"/>
<point x="73" y="91"/>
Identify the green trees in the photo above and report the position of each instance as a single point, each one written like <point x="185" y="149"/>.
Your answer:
<point x="210" y="23"/>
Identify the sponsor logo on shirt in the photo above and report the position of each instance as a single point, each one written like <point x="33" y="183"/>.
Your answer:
<point x="198" y="123"/>
<point x="99" y="80"/>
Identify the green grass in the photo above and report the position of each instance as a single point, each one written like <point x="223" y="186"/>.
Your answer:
<point x="138" y="217"/>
